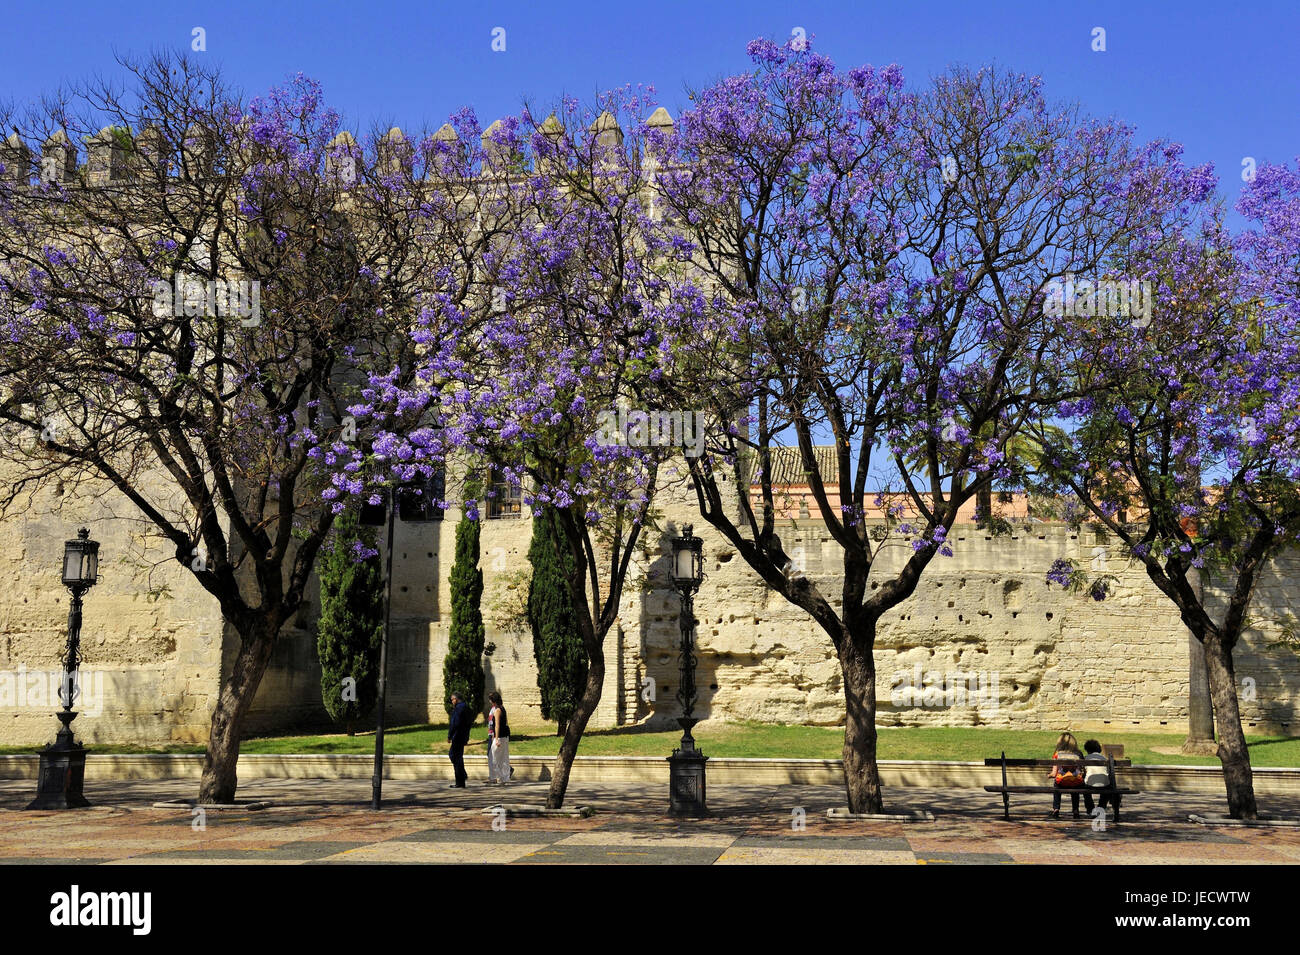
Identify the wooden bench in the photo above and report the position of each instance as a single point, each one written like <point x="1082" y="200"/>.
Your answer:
<point x="1114" y="789"/>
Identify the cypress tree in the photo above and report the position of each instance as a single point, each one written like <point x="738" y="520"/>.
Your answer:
<point x="462" y="671"/>
<point x="351" y="622"/>
<point x="557" y="645"/>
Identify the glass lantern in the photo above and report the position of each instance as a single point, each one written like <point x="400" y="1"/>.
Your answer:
<point x="81" y="561"/>
<point x="688" y="560"/>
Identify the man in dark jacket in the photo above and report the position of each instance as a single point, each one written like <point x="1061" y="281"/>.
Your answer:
<point x="458" y="736"/>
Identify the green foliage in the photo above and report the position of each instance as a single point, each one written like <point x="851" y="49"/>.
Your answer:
<point x="462" y="671"/>
<point x="997" y="525"/>
<point x="152" y="592"/>
<point x="1024" y="456"/>
<point x="1021" y="157"/>
<point x="508" y="609"/>
<point x="557" y="644"/>
<point x="351" y="622"/>
<point x="1288" y="637"/>
<point x="122" y="136"/>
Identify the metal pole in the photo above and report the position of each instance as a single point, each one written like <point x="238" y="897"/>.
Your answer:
<point x="62" y="772"/>
<point x="686" y="776"/>
<point x="72" y="658"/>
<point x="686" y="670"/>
<point x="377" y="780"/>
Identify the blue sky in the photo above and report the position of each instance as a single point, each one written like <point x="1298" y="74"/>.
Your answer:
<point x="1220" y="78"/>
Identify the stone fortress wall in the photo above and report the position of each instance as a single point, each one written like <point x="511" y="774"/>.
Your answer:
<point x="1029" y="655"/>
<point x="151" y="637"/>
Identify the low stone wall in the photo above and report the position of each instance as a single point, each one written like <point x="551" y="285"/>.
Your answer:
<point x="723" y="771"/>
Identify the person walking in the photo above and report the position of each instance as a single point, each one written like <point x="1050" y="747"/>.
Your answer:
<point x="489" y="720"/>
<point x="499" y="770"/>
<point x="458" y="736"/>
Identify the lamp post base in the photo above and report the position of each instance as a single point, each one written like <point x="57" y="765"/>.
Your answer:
<point x="686" y="794"/>
<point x="686" y="777"/>
<point x="62" y="772"/>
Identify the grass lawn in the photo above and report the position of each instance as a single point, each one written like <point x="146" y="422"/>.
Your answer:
<point x="749" y="739"/>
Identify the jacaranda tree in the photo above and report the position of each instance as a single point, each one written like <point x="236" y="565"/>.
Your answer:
<point x="187" y="317"/>
<point x="883" y="253"/>
<point x="574" y="313"/>
<point x="1189" y="454"/>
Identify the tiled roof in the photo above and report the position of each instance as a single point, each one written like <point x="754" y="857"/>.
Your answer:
<point x="788" y="468"/>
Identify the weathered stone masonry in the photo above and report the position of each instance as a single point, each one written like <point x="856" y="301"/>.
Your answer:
<point x="1059" y="659"/>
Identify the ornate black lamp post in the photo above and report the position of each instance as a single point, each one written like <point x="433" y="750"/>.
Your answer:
<point x="686" y="764"/>
<point x="417" y="503"/>
<point x="63" y="762"/>
<point x="376" y="515"/>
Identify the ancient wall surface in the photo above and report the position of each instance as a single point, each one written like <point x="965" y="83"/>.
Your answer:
<point x="983" y="641"/>
<point x="1028" y="655"/>
<point x="290" y="694"/>
<point x="151" y="636"/>
<point x="1268" y="665"/>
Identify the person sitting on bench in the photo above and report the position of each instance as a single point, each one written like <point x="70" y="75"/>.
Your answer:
<point x="1066" y="777"/>
<point x="1096" y="774"/>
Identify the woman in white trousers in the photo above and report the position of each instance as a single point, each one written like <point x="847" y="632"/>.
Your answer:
<point x="499" y="770"/>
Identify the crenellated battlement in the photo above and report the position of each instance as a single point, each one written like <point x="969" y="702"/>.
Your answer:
<point x="116" y="156"/>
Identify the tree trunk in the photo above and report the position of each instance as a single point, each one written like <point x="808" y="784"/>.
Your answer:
<point x="577" y="724"/>
<point x="1232" y="739"/>
<point x="1200" y="708"/>
<point x="984" y="505"/>
<point x="861" y="774"/>
<point x="220" y="762"/>
<point x="559" y="729"/>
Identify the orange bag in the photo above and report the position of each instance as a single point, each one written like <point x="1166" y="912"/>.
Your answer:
<point x="1068" y="776"/>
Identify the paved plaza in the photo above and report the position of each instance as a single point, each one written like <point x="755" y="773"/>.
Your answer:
<point x="313" y="821"/>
